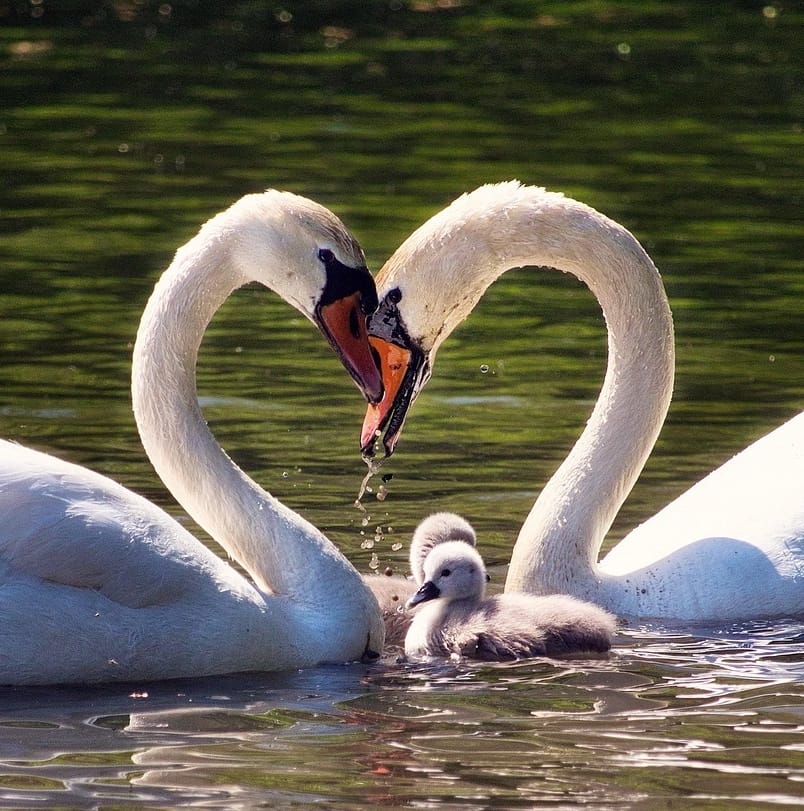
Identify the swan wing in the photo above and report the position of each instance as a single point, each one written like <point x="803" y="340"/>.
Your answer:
<point x="64" y="524"/>
<point x="740" y="530"/>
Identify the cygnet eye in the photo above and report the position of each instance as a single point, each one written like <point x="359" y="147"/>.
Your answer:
<point x="326" y="255"/>
<point x="446" y="572"/>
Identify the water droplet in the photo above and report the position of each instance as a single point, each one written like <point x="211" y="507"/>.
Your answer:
<point x="396" y="547"/>
<point x="484" y="368"/>
<point x="374" y="562"/>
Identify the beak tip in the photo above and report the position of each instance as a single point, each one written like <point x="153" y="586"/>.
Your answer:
<point x="368" y="445"/>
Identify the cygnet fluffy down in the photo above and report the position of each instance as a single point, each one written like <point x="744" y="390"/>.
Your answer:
<point x="393" y="591"/>
<point x="455" y="618"/>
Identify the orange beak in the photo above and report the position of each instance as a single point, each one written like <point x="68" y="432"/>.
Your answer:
<point x="394" y="362"/>
<point x="405" y="370"/>
<point x="344" y="325"/>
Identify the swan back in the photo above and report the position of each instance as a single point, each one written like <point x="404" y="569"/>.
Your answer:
<point x="76" y="527"/>
<point x="729" y="549"/>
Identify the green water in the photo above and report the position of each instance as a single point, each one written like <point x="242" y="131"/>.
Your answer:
<point x="124" y="126"/>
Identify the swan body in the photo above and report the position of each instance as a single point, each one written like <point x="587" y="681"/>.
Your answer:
<point x="455" y="618"/>
<point x="730" y="549"/>
<point x="393" y="591"/>
<point x="98" y="584"/>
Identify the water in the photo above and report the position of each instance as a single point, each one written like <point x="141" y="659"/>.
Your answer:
<point x="715" y="721"/>
<point x="122" y="129"/>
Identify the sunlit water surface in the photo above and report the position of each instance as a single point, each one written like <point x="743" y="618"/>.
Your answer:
<point x="714" y="719"/>
<point x="124" y="126"/>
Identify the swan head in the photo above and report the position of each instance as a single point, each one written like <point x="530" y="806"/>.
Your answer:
<point x="452" y="571"/>
<point x="429" y="285"/>
<point x="304" y="253"/>
<point x="348" y="296"/>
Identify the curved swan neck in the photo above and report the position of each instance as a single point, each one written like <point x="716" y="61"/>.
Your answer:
<point x="247" y="521"/>
<point x="561" y="537"/>
<point x="494" y="229"/>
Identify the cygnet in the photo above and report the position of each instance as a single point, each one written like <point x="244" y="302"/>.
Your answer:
<point x="393" y="591"/>
<point x="456" y="619"/>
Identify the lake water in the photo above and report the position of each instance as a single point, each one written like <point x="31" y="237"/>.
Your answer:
<point x="124" y="126"/>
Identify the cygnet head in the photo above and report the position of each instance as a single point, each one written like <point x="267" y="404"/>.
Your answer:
<point x="452" y="571"/>
<point x="434" y="530"/>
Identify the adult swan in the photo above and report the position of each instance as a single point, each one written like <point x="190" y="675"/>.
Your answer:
<point x="730" y="549"/>
<point x="98" y="584"/>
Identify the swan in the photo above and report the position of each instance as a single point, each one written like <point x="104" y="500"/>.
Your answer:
<point x="730" y="549"/>
<point x="393" y="591"/>
<point x="456" y="618"/>
<point x="97" y="584"/>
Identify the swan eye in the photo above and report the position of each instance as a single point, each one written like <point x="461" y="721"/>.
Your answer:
<point x="326" y="255"/>
<point x="446" y="572"/>
<point x="394" y="296"/>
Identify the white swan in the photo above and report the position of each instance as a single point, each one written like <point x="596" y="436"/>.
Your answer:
<point x="456" y="618"/>
<point x="393" y="591"/>
<point x="98" y="584"/>
<point x="730" y="549"/>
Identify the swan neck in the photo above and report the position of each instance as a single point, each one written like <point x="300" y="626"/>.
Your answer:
<point x="497" y="228"/>
<point x="558" y="546"/>
<point x="250" y="524"/>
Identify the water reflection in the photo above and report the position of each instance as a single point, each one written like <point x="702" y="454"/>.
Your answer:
<point x="510" y="735"/>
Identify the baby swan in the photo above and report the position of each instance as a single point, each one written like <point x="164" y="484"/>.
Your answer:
<point x="436" y="529"/>
<point x="393" y="591"/>
<point x="457" y="619"/>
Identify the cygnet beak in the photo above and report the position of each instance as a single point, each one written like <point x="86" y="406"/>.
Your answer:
<point x="428" y="591"/>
